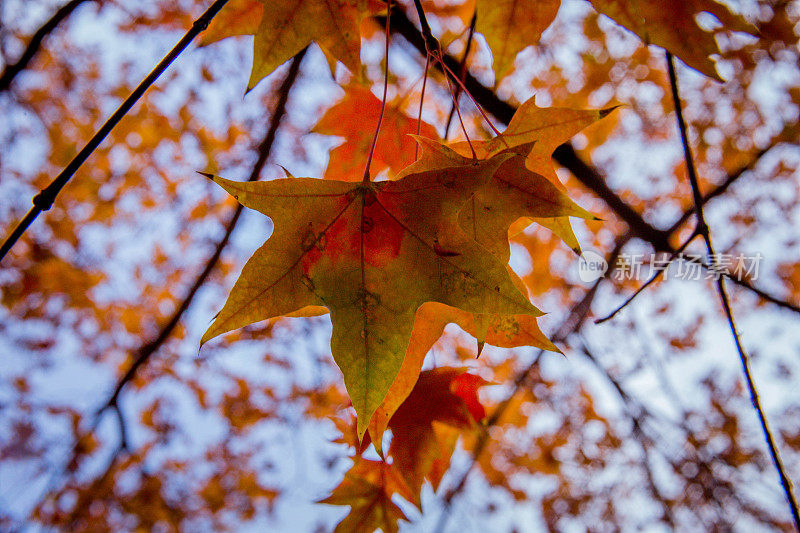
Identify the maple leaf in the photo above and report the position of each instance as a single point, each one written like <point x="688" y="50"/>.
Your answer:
<point x="510" y="26"/>
<point x="513" y="192"/>
<point x="547" y="128"/>
<point x="289" y="26"/>
<point x="284" y="28"/>
<point x="443" y="399"/>
<point x="237" y="17"/>
<point x="368" y="488"/>
<point x="543" y="130"/>
<point x="371" y="253"/>
<point x="394" y="149"/>
<point x="539" y="131"/>
<point x="504" y="331"/>
<point x="673" y="26"/>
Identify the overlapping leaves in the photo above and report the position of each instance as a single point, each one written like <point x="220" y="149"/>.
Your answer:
<point x="442" y="406"/>
<point x="374" y="253"/>
<point x="283" y="28"/>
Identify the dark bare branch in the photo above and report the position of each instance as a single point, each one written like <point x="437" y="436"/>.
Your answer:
<point x="566" y="156"/>
<point x="264" y="149"/>
<point x="44" y="200"/>
<point x="35" y="44"/>
<point x="702" y="228"/>
<point x="649" y="282"/>
<point x="577" y="316"/>
<point x="151" y="347"/>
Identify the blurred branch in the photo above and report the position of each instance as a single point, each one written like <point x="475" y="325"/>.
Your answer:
<point x="44" y="200"/>
<point x="149" y="348"/>
<point x="10" y="71"/>
<point x="264" y="149"/>
<point x="577" y="316"/>
<point x="639" y="416"/>
<point x="649" y="282"/>
<point x="590" y="177"/>
<point x="566" y="156"/>
<point x="462" y="70"/>
<point x="702" y="229"/>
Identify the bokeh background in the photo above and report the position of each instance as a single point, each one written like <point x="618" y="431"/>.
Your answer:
<point x="643" y="424"/>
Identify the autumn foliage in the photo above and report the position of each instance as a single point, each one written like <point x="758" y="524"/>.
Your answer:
<point x="403" y="338"/>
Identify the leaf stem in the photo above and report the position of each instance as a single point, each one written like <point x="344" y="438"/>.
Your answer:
<point x="702" y="228"/>
<point x="454" y="96"/>
<point x="421" y="101"/>
<point x="44" y="200"/>
<point x="462" y="71"/>
<point x="367" y="178"/>
<point x="434" y="50"/>
<point x="588" y="175"/>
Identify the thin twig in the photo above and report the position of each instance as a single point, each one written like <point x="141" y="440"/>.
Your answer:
<point x="264" y="149"/>
<point x="149" y="348"/>
<point x="44" y="200"/>
<point x="723" y="187"/>
<point x="367" y="177"/>
<point x="35" y="44"/>
<point x="434" y="50"/>
<point x="461" y="119"/>
<point x="702" y="227"/>
<point x="636" y="413"/>
<point x="432" y="45"/>
<point x="650" y="281"/>
<point x="421" y="102"/>
<point x="566" y="156"/>
<point x="572" y="323"/>
<point x="639" y="414"/>
<point x="462" y="71"/>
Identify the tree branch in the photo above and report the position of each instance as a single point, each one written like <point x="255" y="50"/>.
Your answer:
<point x="586" y="174"/>
<point x="577" y="316"/>
<point x="11" y="71"/>
<point x="702" y="229"/>
<point x="264" y="149"/>
<point x="462" y="70"/>
<point x="149" y="348"/>
<point x="649" y="282"/>
<point x="638" y="415"/>
<point x="566" y="156"/>
<point x="44" y="200"/>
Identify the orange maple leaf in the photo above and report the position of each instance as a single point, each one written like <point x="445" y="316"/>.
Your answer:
<point x="368" y="488"/>
<point x="673" y="26"/>
<point x="426" y="426"/>
<point x="284" y="28"/>
<point x="394" y="149"/>
<point x="510" y="26"/>
<point x="372" y="254"/>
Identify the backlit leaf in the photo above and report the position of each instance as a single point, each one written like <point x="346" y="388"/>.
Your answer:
<point x="512" y="25"/>
<point x="673" y="26"/>
<point x="359" y="107"/>
<point x="368" y="488"/>
<point x="372" y="254"/>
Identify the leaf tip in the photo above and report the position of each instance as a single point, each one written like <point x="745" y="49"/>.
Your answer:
<point x="607" y="111"/>
<point x="286" y="173"/>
